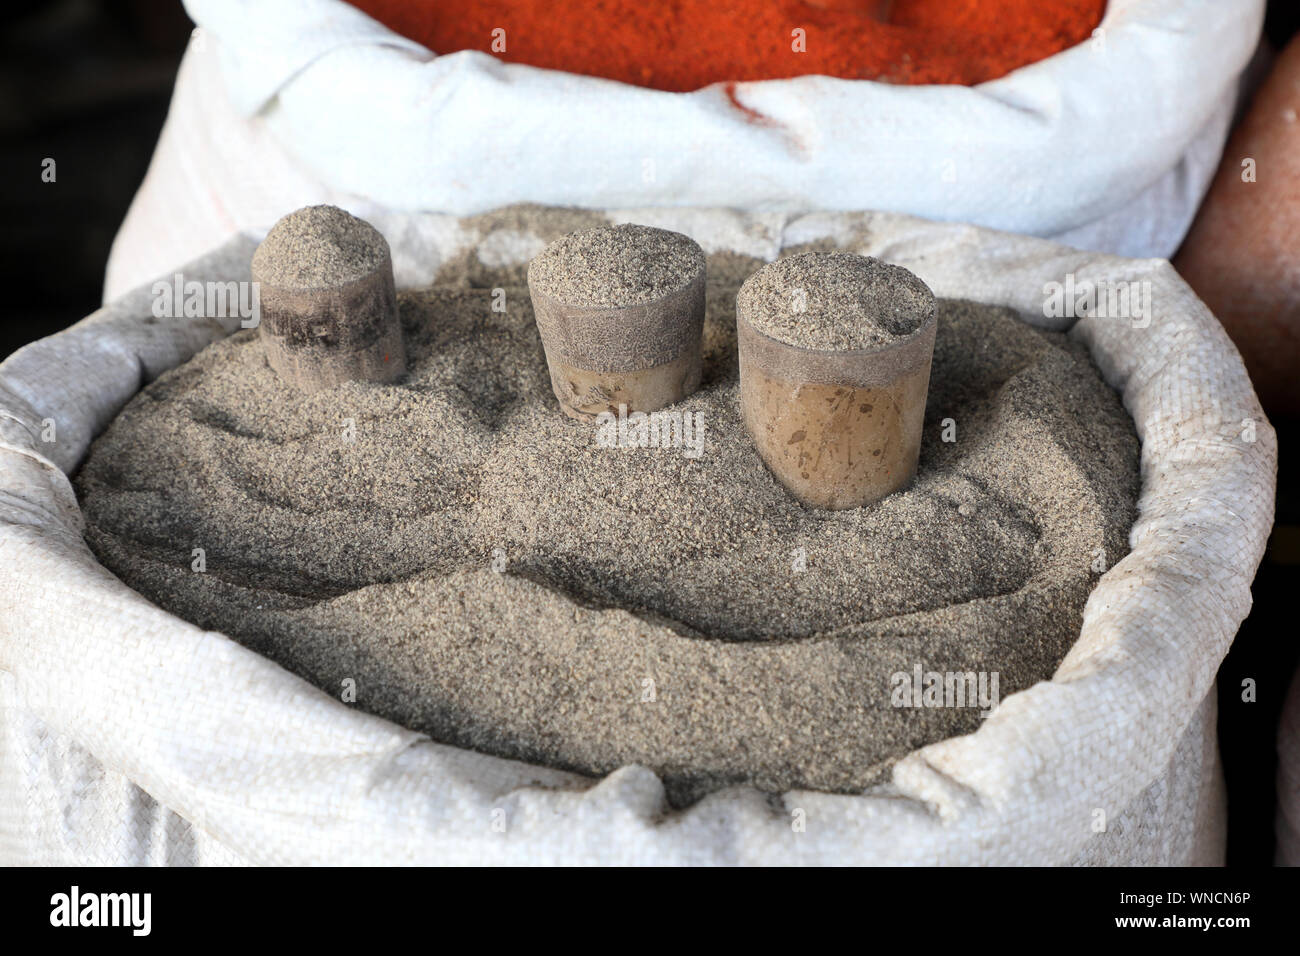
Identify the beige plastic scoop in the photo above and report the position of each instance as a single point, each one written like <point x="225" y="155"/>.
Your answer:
<point x="640" y="354"/>
<point x="839" y="428"/>
<point x="335" y="328"/>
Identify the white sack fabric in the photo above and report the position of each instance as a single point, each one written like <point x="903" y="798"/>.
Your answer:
<point x="128" y="735"/>
<point x="1109" y="145"/>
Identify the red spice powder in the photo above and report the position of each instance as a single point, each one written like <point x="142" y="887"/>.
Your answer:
<point x="683" y="45"/>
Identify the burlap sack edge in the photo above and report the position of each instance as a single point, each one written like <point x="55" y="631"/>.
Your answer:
<point x="269" y="766"/>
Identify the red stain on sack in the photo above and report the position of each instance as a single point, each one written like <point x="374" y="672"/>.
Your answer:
<point x="751" y="115"/>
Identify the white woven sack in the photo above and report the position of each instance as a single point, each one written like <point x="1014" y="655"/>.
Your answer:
<point x="1108" y="146"/>
<point x="130" y="736"/>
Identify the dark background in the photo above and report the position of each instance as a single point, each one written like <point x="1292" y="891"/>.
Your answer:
<point x="88" y="83"/>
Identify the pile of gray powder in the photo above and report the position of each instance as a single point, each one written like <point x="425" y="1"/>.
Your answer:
<point x="490" y="572"/>
<point x="835" y="301"/>
<point x="618" y="265"/>
<point x="318" y="246"/>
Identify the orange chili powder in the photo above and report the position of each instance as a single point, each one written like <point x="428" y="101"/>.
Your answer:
<point x="686" y="44"/>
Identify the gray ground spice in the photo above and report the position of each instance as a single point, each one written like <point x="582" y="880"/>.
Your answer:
<point x="615" y="266"/>
<point x="835" y="301"/>
<point x="318" y="246"/>
<point x="488" y="574"/>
